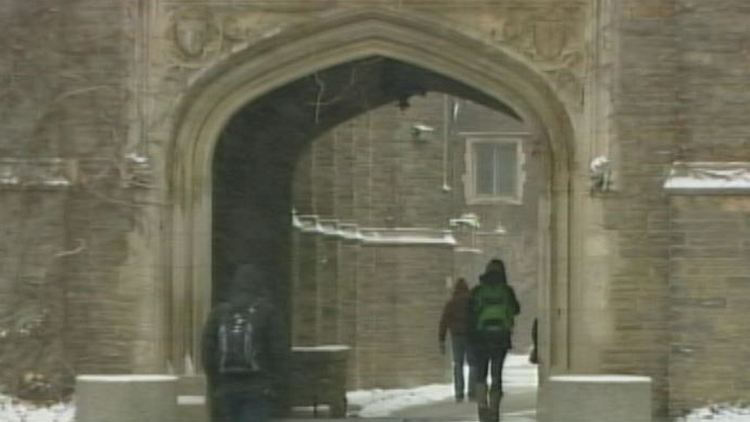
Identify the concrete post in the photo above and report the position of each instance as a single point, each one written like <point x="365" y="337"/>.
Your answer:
<point x="596" y="398"/>
<point x="126" y="398"/>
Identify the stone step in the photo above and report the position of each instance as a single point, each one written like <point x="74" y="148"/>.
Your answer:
<point x="192" y="409"/>
<point x="596" y="398"/>
<point x="191" y="385"/>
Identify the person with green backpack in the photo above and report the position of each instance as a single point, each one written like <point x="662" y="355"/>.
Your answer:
<point x="492" y="310"/>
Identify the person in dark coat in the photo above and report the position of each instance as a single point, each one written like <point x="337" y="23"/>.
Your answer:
<point x="455" y="318"/>
<point x="491" y="345"/>
<point x="253" y="396"/>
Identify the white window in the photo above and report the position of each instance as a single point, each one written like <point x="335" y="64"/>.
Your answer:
<point x="493" y="169"/>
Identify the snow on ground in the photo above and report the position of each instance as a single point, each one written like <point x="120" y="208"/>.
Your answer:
<point x="13" y="411"/>
<point x="518" y="373"/>
<point x="718" y="413"/>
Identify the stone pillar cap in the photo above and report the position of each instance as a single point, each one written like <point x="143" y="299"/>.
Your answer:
<point x="604" y="378"/>
<point x="126" y="378"/>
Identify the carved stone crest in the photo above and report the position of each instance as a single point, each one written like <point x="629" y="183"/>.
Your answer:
<point x="550" y="39"/>
<point x="193" y="32"/>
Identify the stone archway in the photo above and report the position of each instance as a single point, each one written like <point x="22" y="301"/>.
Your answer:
<point x="290" y="55"/>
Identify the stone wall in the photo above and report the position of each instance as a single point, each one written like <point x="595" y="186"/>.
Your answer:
<point x="709" y="269"/>
<point x="637" y="215"/>
<point x="399" y="301"/>
<point x="384" y="300"/>
<point x="709" y="289"/>
<point x="681" y="106"/>
<point x="71" y="190"/>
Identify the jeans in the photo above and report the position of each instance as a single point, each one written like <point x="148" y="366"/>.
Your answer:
<point x="242" y="407"/>
<point x="460" y="349"/>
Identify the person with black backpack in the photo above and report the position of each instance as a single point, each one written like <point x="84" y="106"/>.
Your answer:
<point x="492" y="310"/>
<point x="245" y="352"/>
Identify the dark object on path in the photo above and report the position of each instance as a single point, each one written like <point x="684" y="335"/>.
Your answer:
<point x="318" y="376"/>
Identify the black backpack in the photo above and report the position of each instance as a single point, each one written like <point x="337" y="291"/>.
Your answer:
<point x="238" y="335"/>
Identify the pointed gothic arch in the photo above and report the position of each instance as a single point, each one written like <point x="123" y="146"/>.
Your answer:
<point x="221" y="90"/>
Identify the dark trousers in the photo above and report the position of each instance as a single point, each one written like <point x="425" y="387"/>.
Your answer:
<point x="492" y="360"/>
<point x="460" y="349"/>
<point x="241" y="407"/>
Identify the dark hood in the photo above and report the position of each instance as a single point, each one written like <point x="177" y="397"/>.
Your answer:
<point x="493" y="277"/>
<point x="248" y="285"/>
<point x="461" y="289"/>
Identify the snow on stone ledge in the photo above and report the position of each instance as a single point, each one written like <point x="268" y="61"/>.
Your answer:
<point x="709" y="178"/>
<point x="307" y="223"/>
<point x="126" y="378"/>
<point x="407" y="236"/>
<point x="324" y="348"/>
<point x="601" y="378"/>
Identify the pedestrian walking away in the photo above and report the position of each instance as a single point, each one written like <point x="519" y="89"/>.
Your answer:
<point x="493" y="307"/>
<point x="455" y="320"/>
<point x="245" y="352"/>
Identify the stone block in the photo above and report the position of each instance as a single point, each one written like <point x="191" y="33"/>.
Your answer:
<point x="595" y="398"/>
<point x="126" y="398"/>
<point x="319" y="377"/>
<point x="191" y="385"/>
<point x="192" y="409"/>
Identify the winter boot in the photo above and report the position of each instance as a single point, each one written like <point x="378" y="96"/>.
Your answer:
<point x="494" y="405"/>
<point x="480" y="395"/>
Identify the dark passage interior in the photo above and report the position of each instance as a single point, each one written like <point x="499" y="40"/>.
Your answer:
<point x="256" y="154"/>
<point x="278" y="203"/>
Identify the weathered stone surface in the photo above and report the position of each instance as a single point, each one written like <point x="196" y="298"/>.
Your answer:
<point x="707" y="298"/>
<point x="147" y="398"/>
<point x="590" y="398"/>
<point x="125" y="272"/>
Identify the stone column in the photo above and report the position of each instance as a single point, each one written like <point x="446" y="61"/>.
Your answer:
<point x="295" y="297"/>
<point x="326" y="279"/>
<point x="369" y="352"/>
<point x="305" y="289"/>
<point x="347" y="295"/>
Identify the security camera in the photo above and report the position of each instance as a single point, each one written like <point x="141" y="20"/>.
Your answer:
<point x="419" y="129"/>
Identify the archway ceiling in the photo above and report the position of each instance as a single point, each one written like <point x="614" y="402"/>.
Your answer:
<point x="303" y="109"/>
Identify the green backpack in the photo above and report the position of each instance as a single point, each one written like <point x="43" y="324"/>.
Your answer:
<point x="493" y="309"/>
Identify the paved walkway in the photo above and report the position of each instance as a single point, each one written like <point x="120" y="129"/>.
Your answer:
<point x="519" y="405"/>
